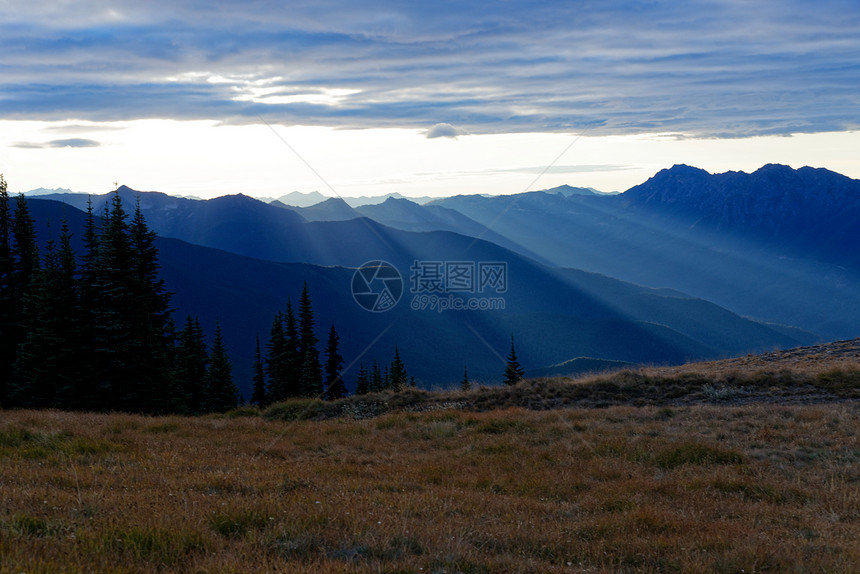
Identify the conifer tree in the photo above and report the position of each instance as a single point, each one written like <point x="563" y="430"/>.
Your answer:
<point x="258" y="395"/>
<point x="7" y="300"/>
<point x="376" y="381"/>
<point x="191" y="363"/>
<point x="45" y="368"/>
<point x="117" y="385"/>
<point x="465" y="385"/>
<point x="311" y="377"/>
<point x="25" y="250"/>
<point x="397" y="377"/>
<point x="335" y="388"/>
<point x="276" y="361"/>
<point x="362" y="384"/>
<point x="22" y="269"/>
<point x="151" y="322"/>
<point x="222" y="390"/>
<point x="87" y="368"/>
<point x="292" y="357"/>
<point x="513" y="371"/>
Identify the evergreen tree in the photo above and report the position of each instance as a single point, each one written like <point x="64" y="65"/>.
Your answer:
<point x="335" y="388"/>
<point x="311" y="373"/>
<point x="362" y="384"/>
<point x="258" y="395"/>
<point x="293" y="357"/>
<point x="191" y="363"/>
<point x="23" y="270"/>
<point x="465" y="385"/>
<point x="7" y="299"/>
<point x="151" y="322"/>
<point x="46" y="366"/>
<point x="513" y="371"/>
<point x="376" y="382"/>
<point x="222" y="390"/>
<point x="397" y="377"/>
<point x="276" y="361"/>
<point x="24" y="249"/>
<point x="115" y="347"/>
<point x="86" y="366"/>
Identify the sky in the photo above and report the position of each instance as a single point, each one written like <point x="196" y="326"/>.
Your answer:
<point x="350" y="98"/>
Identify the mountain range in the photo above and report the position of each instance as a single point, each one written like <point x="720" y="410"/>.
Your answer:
<point x="703" y="257"/>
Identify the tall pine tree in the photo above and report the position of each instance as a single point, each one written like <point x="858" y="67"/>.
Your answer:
<point x="397" y="377"/>
<point x="362" y="383"/>
<point x="276" y="362"/>
<point x="152" y="323"/>
<point x="23" y="269"/>
<point x="45" y="367"/>
<point x="190" y="368"/>
<point x="293" y="356"/>
<point x="311" y="381"/>
<point x="7" y="299"/>
<point x="513" y="371"/>
<point x="335" y="388"/>
<point x="222" y="390"/>
<point x="258" y="394"/>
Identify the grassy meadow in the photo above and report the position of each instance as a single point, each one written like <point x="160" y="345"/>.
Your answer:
<point x="693" y="488"/>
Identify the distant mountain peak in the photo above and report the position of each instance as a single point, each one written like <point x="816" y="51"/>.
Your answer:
<point x="568" y="190"/>
<point x="334" y="201"/>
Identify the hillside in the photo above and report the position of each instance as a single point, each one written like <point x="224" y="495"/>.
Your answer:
<point x="818" y="374"/>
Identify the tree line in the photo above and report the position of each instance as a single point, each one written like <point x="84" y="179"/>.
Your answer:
<point x="95" y="331"/>
<point x="291" y="366"/>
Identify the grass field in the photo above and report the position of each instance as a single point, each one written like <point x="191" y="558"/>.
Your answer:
<point x="694" y="488"/>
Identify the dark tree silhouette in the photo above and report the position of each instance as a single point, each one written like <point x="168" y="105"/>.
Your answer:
<point x="222" y="390"/>
<point x="335" y="388"/>
<point x="362" y="384"/>
<point x="465" y="385"/>
<point x="397" y="377"/>
<point x="311" y="381"/>
<point x="258" y="395"/>
<point x="513" y="371"/>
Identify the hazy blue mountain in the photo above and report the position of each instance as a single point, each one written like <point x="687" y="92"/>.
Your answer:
<point x="777" y="245"/>
<point x="556" y="315"/>
<point x="567" y="191"/>
<point x="377" y="199"/>
<point x="42" y="191"/>
<point x="299" y="199"/>
<point x="332" y="209"/>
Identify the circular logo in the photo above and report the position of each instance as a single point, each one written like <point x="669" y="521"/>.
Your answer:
<point x="377" y="286"/>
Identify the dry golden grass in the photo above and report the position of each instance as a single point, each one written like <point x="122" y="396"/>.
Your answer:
<point x="622" y="489"/>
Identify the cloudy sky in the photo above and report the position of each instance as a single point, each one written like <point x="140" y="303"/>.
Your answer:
<point x="264" y="97"/>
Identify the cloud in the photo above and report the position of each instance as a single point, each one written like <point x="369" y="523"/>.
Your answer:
<point x="716" y="68"/>
<point x="70" y="142"/>
<point x="585" y="168"/>
<point x="444" y="130"/>
<point x="74" y="142"/>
